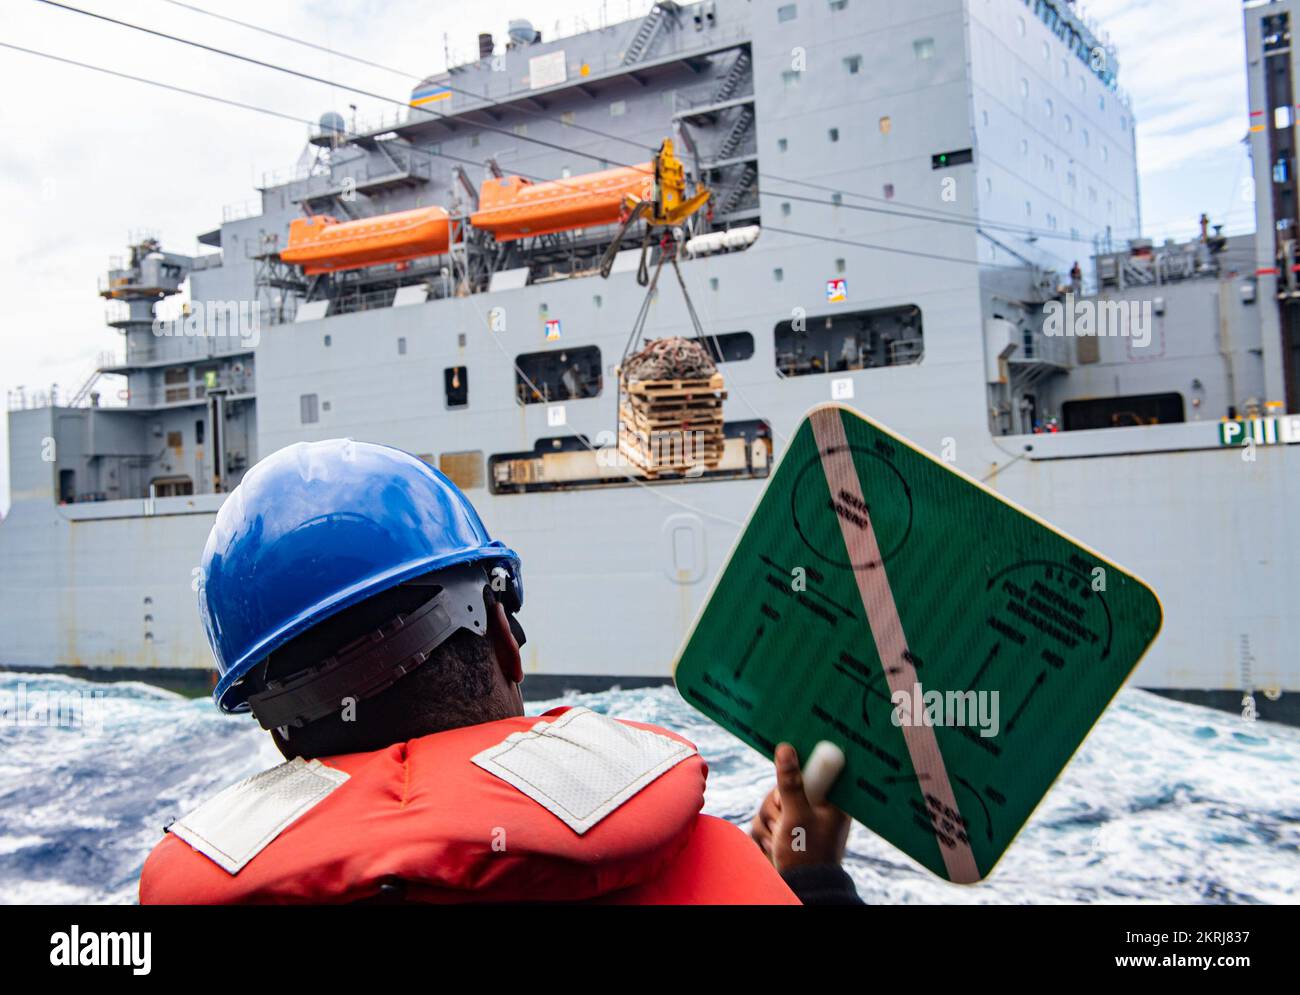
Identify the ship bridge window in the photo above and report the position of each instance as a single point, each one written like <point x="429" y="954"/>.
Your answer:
<point x="729" y="347"/>
<point x="455" y="384"/>
<point x="171" y="486"/>
<point x="1122" y="412"/>
<point x="557" y="375"/>
<point x="855" y="340"/>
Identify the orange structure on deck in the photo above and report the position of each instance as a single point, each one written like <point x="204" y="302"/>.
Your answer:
<point x="322" y="244"/>
<point x="513" y="207"/>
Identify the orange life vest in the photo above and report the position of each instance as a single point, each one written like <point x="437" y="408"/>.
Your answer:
<point x="420" y="815"/>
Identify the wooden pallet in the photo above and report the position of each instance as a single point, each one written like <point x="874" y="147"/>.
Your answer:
<point x="658" y="408"/>
<point x="700" y="421"/>
<point x="704" y="405"/>
<point x="651" y="468"/>
<point x="681" y="386"/>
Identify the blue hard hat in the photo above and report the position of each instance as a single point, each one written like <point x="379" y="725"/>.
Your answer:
<point x="318" y="527"/>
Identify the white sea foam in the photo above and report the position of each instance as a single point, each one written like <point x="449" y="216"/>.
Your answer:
<point x="1165" y="802"/>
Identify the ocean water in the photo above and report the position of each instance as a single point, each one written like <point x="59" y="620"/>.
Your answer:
<point x="1166" y="802"/>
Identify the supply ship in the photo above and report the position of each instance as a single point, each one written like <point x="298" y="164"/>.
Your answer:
<point x="926" y="210"/>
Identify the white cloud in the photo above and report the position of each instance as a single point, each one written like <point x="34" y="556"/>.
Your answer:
<point x="86" y="158"/>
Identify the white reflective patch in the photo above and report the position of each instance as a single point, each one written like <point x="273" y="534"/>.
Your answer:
<point x="233" y="827"/>
<point x="582" y="766"/>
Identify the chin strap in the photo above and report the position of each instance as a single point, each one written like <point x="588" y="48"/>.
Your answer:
<point x="374" y="662"/>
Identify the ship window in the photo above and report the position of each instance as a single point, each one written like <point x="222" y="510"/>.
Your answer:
<point x="787" y="12"/>
<point x="557" y="375"/>
<point x="782" y="144"/>
<point x="839" y="4"/>
<point x="1120" y="412"/>
<point x="617" y="108"/>
<point x="729" y="347"/>
<point x="177" y="374"/>
<point x="858" y="340"/>
<point x="834" y="134"/>
<point x="67" y="486"/>
<point x="401" y="346"/>
<point x="853" y="63"/>
<point x="328" y="341"/>
<point x="171" y="486"/>
<point x="199" y="427"/>
<point x="923" y="48"/>
<point x="889" y="191"/>
<point x="520" y="129"/>
<point x="455" y="382"/>
<point x="790" y="78"/>
<point x="464" y="469"/>
<point x="785" y="208"/>
<point x="308" y="409"/>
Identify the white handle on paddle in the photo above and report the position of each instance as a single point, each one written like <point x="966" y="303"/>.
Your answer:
<point x="823" y="767"/>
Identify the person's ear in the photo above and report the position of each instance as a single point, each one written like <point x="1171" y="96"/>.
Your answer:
<point x="504" y="645"/>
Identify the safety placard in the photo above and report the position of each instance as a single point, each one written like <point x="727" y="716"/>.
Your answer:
<point x="957" y="648"/>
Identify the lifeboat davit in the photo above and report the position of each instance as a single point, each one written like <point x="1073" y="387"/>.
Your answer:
<point x="513" y="207"/>
<point x="322" y="244"/>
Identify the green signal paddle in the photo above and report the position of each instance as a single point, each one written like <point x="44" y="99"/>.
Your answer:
<point x="955" y="647"/>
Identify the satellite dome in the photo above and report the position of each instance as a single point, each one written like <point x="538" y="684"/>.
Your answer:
<point x="522" y="31"/>
<point x="331" y="123"/>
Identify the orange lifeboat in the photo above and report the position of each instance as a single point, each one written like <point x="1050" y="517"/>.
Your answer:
<point x="513" y="207"/>
<point x="322" y="244"/>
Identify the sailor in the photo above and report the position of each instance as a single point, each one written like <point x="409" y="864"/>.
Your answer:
<point x="357" y="606"/>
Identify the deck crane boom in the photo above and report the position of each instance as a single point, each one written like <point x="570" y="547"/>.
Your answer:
<point x="672" y="426"/>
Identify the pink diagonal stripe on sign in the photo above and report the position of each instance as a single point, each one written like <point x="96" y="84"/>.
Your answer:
<point x="887" y="630"/>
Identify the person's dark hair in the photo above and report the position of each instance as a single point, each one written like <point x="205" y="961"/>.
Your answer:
<point x="452" y="688"/>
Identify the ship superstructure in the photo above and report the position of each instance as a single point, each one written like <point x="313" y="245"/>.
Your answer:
<point x="904" y="201"/>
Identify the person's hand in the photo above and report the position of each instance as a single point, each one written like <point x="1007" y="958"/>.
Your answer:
<point x="792" y="831"/>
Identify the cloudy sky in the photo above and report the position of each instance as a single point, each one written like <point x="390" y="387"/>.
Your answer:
<point x="85" y="158"/>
